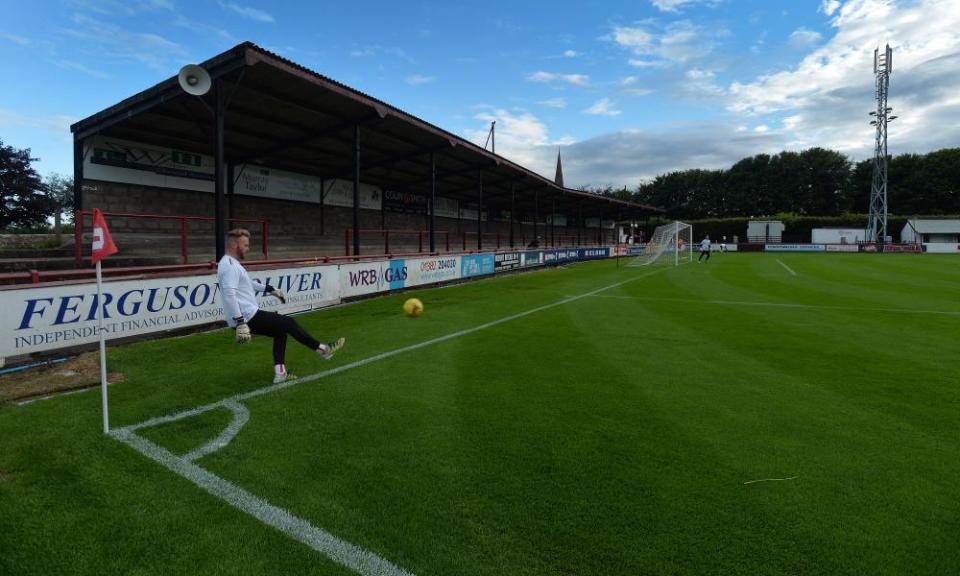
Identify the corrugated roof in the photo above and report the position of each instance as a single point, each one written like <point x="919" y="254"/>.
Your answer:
<point x="946" y="226"/>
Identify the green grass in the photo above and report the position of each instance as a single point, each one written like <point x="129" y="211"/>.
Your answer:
<point x="609" y="435"/>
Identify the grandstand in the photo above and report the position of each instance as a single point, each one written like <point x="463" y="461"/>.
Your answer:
<point x="296" y="147"/>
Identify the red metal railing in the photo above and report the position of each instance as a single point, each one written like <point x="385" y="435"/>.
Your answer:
<point x="565" y="240"/>
<point x="78" y="229"/>
<point x="559" y="240"/>
<point x="387" y="235"/>
<point x="487" y="239"/>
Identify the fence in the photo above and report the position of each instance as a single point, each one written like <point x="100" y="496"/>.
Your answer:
<point x="183" y="220"/>
<point x="394" y="241"/>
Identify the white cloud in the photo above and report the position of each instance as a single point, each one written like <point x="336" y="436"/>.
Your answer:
<point x="638" y="63"/>
<point x="824" y="100"/>
<point x="677" y="5"/>
<point x="678" y="42"/>
<point x="15" y="39"/>
<point x="628" y="85"/>
<point x="791" y="122"/>
<point x="521" y="137"/>
<point x="554" y="103"/>
<point x="377" y="51"/>
<point x="919" y="34"/>
<point x="122" y="7"/>
<point x="626" y="157"/>
<point x="603" y="107"/>
<point x="803" y="37"/>
<point x="761" y="129"/>
<point x="77" y="67"/>
<point x="550" y="77"/>
<point x="115" y="43"/>
<point x="570" y="53"/>
<point x="702" y="83"/>
<point x="59" y="123"/>
<point x="248" y="12"/>
<point x="205" y="30"/>
<point x="634" y="38"/>
<point x="418" y="79"/>
<point x="828" y="7"/>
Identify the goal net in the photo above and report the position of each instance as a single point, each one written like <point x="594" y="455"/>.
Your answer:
<point x="670" y="244"/>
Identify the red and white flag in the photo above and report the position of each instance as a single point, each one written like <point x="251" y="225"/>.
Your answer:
<point x="103" y="245"/>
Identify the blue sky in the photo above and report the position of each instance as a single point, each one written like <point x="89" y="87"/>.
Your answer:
<point x="627" y="90"/>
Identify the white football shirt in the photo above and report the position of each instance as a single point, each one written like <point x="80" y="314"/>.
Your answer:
<point x="237" y="290"/>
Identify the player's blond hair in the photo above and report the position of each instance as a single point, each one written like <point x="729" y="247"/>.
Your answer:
<point x="238" y="233"/>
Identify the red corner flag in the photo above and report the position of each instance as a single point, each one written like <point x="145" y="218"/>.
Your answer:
<point x="103" y="245"/>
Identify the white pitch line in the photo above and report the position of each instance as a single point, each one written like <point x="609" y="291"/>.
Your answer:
<point x="240" y="416"/>
<point x="770" y="480"/>
<point x="340" y="551"/>
<point x="785" y="305"/>
<point x="363" y="561"/>
<point x="276" y="387"/>
<point x="789" y="269"/>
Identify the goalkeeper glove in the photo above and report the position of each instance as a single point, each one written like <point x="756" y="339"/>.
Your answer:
<point x="243" y="331"/>
<point x="277" y="293"/>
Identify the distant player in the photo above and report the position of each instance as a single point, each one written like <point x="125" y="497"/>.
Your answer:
<point x="723" y="244"/>
<point x="240" y="307"/>
<point x="704" y="249"/>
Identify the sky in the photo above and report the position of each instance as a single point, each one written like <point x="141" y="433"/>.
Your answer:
<point x="625" y="90"/>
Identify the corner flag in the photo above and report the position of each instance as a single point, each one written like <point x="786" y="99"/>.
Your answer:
<point x="103" y="246"/>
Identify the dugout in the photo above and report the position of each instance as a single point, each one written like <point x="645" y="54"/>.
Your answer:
<point x="273" y="140"/>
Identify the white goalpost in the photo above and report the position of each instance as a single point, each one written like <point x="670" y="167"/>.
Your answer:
<point x="671" y="244"/>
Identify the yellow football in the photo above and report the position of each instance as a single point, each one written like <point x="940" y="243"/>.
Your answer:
<point x="413" y="308"/>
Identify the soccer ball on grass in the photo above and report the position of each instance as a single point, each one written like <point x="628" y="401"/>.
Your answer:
<point x="413" y="308"/>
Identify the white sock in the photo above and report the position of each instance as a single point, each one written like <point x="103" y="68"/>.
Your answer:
<point x="322" y="348"/>
<point x="279" y="369"/>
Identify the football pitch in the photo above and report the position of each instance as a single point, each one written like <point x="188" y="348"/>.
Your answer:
<point x="756" y="414"/>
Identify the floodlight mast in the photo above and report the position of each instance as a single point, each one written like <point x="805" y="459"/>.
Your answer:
<point x="877" y="223"/>
<point x="491" y="138"/>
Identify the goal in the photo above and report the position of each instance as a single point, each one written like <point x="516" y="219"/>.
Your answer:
<point x="671" y="244"/>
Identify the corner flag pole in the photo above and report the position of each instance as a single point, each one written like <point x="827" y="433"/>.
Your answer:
<point x="103" y="247"/>
<point x="103" y="352"/>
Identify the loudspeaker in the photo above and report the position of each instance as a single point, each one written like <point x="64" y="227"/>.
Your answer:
<point x="194" y="80"/>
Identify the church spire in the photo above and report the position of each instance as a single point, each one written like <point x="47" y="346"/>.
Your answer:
<point x="558" y="179"/>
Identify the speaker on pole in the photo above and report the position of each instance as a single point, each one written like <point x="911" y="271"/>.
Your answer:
<point x="194" y="80"/>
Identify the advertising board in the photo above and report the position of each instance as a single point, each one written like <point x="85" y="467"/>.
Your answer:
<point x="506" y="261"/>
<point x="51" y="317"/>
<point x="842" y="248"/>
<point x="477" y="265"/>
<point x="269" y="183"/>
<point x="795" y="248"/>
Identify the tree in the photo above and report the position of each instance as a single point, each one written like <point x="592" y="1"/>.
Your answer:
<point x="60" y="191"/>
<point x="23" y="198"/>
<point x="861" y="181"/>
<point x="747" y="185"/>
<point x="826" y="176"/>
<point x="941" y="176"/>
<point x="619" y="194"/>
